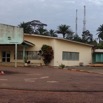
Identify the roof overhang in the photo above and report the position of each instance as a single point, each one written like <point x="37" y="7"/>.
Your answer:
<point x="98" y="50"/>
<point x="25" y="42"/>
<point x="58" y="38"/>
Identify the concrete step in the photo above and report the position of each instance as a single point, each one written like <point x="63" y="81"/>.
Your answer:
<point x="96" y="65"/>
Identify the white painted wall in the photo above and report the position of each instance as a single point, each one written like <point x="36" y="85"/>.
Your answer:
<point x="85" y="53"/>
<point x="60" y="45"/>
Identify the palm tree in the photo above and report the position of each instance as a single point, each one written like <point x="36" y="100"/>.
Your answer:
<point x="31" y="26"/>
<point x="100" y="32"/>
<point x="41" y="31"/>
<point x="64" y="29"/>
<point x="52" y="33"/>
<point x="87" y="36"/>
<point x="77" y="38"/>
<point x="27" y="28"/>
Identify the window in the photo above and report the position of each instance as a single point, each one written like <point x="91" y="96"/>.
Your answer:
<point x="5" y="56"/>
<point x="31" y="55"/>
<point x="70" y="55"/>
<point x="19" y="55"/>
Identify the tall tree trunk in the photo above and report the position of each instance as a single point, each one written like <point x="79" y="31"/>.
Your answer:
<point x="63" y="35"/>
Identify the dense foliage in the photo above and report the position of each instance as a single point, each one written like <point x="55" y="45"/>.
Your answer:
<point x="65" y="29"/>
<point x="36" y="27"/>
<point x="26" y="27"/>
<point x="100" y="33"/>
<point x="41" y="31"/>
<point x="31" y="26"/>
<point x="47" y="53"/>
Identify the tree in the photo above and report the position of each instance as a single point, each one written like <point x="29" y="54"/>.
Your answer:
<point x="77" y="38"/>
<point x="70" y="36"/>
<point x="87" y="37"/>
<point x="52" y="33"/>
<point x="100" y="32"/>
<point x="31" y="26"/>
<point x="64" y="29"/>
<point x="95" y="43"/>
<point x="26" y="28"/>
<point x="42" y="31"/>
<point x="47" y="53"/>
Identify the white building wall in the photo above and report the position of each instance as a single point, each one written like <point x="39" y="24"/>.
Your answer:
<point x="39" y="41"/>
<point x="85" y="53"/>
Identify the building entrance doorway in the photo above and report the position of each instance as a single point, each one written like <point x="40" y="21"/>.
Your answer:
<point x="5" y="56"/>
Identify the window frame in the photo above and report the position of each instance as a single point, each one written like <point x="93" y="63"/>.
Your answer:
<point x="70" y="56"/>
<point x="20" y="57"/>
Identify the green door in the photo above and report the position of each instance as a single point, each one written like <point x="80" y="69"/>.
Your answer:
<point x="99" y="58"/>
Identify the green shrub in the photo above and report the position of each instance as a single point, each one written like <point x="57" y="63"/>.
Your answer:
<point x="47" y="53"/>
<point x="62" y="66"/>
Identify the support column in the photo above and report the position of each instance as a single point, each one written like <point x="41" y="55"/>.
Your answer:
<point x="15" y="55"/>
<point x="24" y="53"/>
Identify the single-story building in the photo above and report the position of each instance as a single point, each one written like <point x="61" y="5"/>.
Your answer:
<point x="67" y="52"/>
<point x="98" y="56"/>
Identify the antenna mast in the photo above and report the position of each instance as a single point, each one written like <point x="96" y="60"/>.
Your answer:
<point x="76" y="26"/>
<point x="84" y="21"/>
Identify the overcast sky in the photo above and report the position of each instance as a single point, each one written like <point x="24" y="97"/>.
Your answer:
<point x="53" y="13"/>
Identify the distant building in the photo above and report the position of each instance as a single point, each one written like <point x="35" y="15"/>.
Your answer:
<point x="98" y="56"/>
